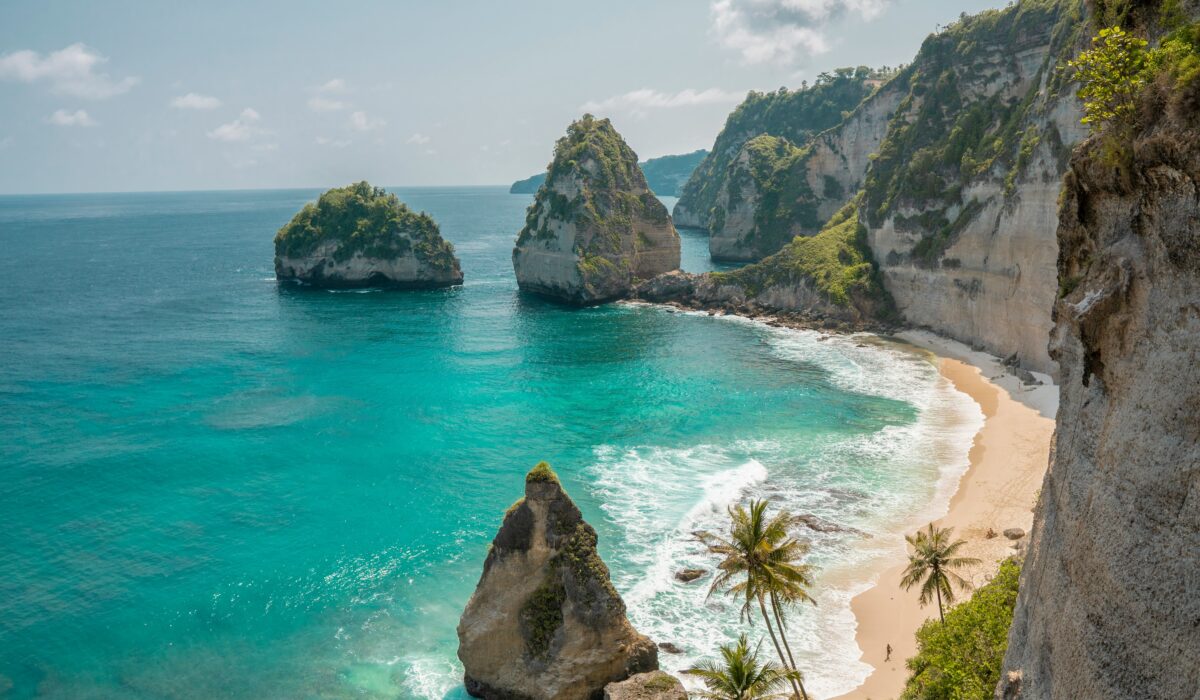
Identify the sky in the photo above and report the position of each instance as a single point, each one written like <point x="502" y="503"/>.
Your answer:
<point x="128" y="95"/>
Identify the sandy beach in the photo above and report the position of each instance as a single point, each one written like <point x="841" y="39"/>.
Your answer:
<point x="1008" y="460"/>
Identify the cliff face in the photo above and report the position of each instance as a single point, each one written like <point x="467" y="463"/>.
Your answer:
<point x="960" y="203"/>
<point x="796" y="115"/>
<point x="595" y="227"/>
<point x="359" y="236"/>
<point x="1110" y="595"/>
<point x="774" y="189"/>
<point x="545" y="621"/>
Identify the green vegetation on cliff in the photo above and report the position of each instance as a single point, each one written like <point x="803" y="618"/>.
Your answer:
<point x="961" y="657"/>
<point x="665" y="175"/>
<point x="836" y="262"/>
<point x="955" y="126"/>
<point x="796" y="115"/>
<point x="367" y="220"/>
<point x="786" y="201"/>
<point x="595" y="164"/>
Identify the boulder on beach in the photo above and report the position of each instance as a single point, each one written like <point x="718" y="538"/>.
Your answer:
<point x="654" y="685"/>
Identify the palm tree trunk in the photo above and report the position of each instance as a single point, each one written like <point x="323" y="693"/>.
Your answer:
<point x="783" y="636"/>
<point x="774" y="640"/>
<point x="938" y="588"/>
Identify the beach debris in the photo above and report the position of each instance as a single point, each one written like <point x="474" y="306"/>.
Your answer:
<point x="991" y="534"/>
<point x="689" y="575"/>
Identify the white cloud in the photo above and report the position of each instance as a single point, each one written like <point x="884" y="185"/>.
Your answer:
<point x="323" y="104"/>
<point x="419" y="139"/>
<point x="781" y="31"/>
<point x="361" y="121"/>
<point x="335" y="85"/>
<point x="195" y="101"/>
<point x="241" y="129"/>
<point x="70" y="71"/>
<point x="5" y="142"/>
<point x="335" y="143"/>
<point x="79" y="117"/>
<point x="639" y="101"/>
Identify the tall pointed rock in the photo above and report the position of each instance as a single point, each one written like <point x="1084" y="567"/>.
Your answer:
<point x="595" y="228"/>
<point x="545" y="621"/>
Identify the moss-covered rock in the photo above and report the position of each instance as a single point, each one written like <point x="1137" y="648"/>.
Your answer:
<point x="361" y="236"/>
<point x="545" y="620"/>
<point x="594" y="228"/>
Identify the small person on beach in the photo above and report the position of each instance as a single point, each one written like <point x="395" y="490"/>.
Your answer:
<point x="889" y="653"/>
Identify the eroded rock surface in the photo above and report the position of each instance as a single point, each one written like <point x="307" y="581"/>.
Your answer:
<point x="594" y="228"/>
<point x="655" y="685"/>
<point x="1109" y="605"/>
<point x="545" y="621"/>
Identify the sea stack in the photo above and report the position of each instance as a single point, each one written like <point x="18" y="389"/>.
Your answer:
<point x="594" y="228"/>
<point x="361" y="236"/>
<point x="545" y="621"/>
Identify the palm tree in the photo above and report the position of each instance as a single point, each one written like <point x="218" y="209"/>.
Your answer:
<point x="930" y="565"/>
<point x="761" y="562"/>
<point x="741" y="676"/>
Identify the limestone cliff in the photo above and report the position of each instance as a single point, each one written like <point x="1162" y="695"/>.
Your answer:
<point x="960" y="202"/>
<point x="594" y="227"/>
<point x="775" y="189"/>
<point x="1110" y="594"/>
<point x="545" y="621"/>
<point x="795" y="115"/>
<point x="360" y="236"/>
<point x="665" y="175"/>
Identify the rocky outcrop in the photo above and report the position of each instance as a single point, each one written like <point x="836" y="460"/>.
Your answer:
<point x="828" y="279"/>
<point x="1109" y="604"/>
<point x="961" y="200"/>
<point x="545" y="621"/>
<point x="795" y="115"/>
<point x="595" y="228"/>
<point x="360" y="236"/>
<point x="655" y="685"/>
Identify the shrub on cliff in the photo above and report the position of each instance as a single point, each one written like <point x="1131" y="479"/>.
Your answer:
<point x="961" y="657"/>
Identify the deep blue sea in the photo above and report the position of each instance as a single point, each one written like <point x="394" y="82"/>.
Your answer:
<point x="213" y="486"/>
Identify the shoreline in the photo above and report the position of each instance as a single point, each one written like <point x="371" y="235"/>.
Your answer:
<point x="1007" y="462"/>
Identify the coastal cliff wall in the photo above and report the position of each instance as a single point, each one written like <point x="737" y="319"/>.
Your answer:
<point x="961" y="202"/>
<point x="1110" y="595"/>
<point x="776" y="189"/>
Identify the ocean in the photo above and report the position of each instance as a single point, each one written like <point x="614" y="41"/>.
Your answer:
<point x="215" y="486"/>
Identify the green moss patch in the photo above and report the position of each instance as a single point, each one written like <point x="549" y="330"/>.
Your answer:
<point x="541" y="473"/>
<point x="541" y="616"/>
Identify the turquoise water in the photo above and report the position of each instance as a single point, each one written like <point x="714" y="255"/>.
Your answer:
<point x="212" y="486"/>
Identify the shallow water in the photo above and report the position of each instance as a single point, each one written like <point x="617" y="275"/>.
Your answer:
<point x="216" y="486"/>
